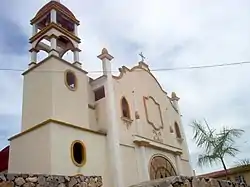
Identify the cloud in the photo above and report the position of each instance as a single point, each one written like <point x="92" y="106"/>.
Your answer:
<point x="170" y="34"/>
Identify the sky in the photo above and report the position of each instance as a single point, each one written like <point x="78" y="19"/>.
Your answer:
<point x="170" y="34"/>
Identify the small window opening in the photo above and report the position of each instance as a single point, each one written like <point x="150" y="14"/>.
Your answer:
<point x="99" y="93"/>
<point x="71" y="80"/>
<point x="125" y="108"/>
<point x="177" y="130"/>
<point x="78" y="153"/>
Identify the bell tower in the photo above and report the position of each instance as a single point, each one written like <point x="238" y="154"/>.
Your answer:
<point x="53" y="85"/>
<point x="55" y="32"/>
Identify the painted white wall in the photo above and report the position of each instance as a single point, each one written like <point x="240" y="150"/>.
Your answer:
<point x="31" y="153"/>
<point x="45" y="95"/>
<point x="96" y="152"/>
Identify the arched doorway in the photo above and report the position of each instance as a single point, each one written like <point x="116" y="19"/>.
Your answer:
<point x="161" y="167"/>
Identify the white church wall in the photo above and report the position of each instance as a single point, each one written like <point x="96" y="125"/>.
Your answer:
<point x="130" y="165"/>
<point x="186" y="169"/>
<point x="30" y="152"/>
<point x="69" y="106"/>
<point x="96" y="153"/>
<point x="37" y="96"/>
<point x="144" y="85"/>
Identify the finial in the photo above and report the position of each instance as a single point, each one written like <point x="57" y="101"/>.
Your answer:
<point x="142" y="57"/>
<point x="105" y="54"/>
<point x="105" y="51"/>
<point x="174" y="96"/>
<point x="56" y="1"/>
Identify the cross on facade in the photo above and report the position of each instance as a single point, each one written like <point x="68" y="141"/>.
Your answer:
<point x="142" y="57"/>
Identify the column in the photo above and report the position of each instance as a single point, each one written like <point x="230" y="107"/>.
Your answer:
<point x="175" y="100"/>
<point x="141" y="149"/>
<point x="76" y="56"/>
<point x="53" y="46"/>
<point x="113" y="128"/>
<point x="113" y="132"/>
<point x="76" y="29"/>
<point x="53" y="16"/>
<point x="178" y="164"/>
<point x="34" y="29"/>
<point x="33" y="56"/>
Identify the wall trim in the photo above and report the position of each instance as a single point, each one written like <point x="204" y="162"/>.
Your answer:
<point x="58" y="123"/>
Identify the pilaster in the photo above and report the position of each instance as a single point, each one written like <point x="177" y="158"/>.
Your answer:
<point x="113" y="128"/>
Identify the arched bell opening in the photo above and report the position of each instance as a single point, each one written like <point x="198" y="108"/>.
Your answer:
<point x="65" y="23"/>
<point x="66" y="48"/>
<point x="41" y="55"/>
<point x="43" y="22"/>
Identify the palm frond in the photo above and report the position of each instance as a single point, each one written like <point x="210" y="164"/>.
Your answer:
<point x="243" y="162"/>
<point x="232" y="151"/>
<point x="228" y="135"/>
<point x="202" y="136"/>
<point x="205" y="159"/>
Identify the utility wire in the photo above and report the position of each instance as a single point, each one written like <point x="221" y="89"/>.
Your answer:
<point x="160" y="69"/>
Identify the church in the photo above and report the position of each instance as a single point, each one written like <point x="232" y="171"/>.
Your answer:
<point x="124" y="127"/>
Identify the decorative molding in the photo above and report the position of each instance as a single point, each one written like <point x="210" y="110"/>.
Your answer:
<point x="142" y="141"/>
<point x="137" y="116"/>
<point x="127" y="121"/>
<point x="59" y="123"/>
<point x="146" y="112"/>
<point x="157" y="135"/>
<point x="55" y="26"/>
<point x="124" y="69"/>
<point x="161" y="166"/>
<point x="93" y="107"/>
<point x="54" y="56"/>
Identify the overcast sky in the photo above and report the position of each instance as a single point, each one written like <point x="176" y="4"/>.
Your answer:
<point x="170" y="34"/>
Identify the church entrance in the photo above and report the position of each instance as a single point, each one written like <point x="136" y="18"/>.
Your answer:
<point x="161" y="167"/>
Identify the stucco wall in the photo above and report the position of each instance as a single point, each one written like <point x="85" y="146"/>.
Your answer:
<point x="70" y="106"/>
<point x="96" y="153"/>
<point x="130" y="165"/>
<point x="37" y="96"/>
<point x="45" y="95"/>
<point x="134" y="85"/>
<point x="31" y="152"/>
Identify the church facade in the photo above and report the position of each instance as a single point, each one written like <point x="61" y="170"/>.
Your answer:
<point x="125" y="128"/>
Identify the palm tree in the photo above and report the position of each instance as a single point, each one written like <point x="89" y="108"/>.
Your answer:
<point x="243" y="162"/>
<point x="215" y="145"/>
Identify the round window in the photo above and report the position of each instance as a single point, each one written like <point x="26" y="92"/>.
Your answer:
<point x="70" y="80"/>
<point x="78" y="153"/>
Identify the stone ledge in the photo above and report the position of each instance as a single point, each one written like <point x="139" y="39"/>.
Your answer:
<point x="26" y="180"/>
<point x="181" y="181"/>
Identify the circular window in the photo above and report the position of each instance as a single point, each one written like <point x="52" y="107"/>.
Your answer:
<point x="70" y="80"/>
<point x="78" y="153"/>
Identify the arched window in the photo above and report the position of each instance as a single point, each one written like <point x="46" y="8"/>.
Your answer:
<point x="161" y="167"/>
<point x="70" y="80"/>
<point x="177" y="130"/>
<point x="125" y="108"/>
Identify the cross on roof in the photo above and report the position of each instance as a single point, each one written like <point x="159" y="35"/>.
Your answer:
<point x="142" y="57"/>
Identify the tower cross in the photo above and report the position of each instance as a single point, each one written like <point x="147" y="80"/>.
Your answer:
<point x="142" y="57"/>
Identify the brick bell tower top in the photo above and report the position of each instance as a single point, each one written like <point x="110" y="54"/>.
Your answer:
<point x="55" y="32"/>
